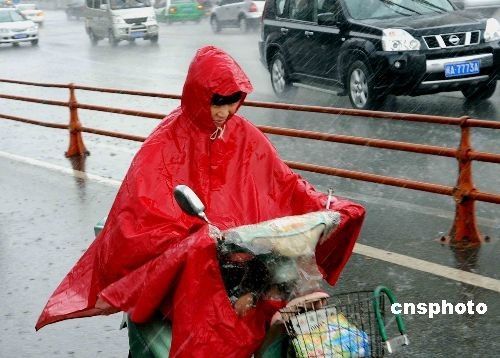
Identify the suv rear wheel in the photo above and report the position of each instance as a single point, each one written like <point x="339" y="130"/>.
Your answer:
<point x="214" y="23"/>
<point x="481" y="91"/>
<point x="280" y="77"/>
<point x="243" y="24"/>
<point x="93" y="38"/>
<point x="112" y="39"/>
<point x="360" y="87"/>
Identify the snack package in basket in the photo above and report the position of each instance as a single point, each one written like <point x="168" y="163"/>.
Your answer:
<point x="326" y="333"/>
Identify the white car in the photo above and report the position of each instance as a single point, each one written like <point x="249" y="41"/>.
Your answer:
<point x="14" y="28"/>
<point x="245" y="14"/>
<point x="31" y="12"/>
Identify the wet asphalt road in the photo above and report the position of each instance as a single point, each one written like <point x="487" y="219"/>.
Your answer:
<point x="47" y="217"/>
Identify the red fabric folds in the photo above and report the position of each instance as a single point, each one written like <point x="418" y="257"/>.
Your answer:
<point x="150" y="255"/>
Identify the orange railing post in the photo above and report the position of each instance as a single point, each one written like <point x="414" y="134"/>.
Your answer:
<point x="76" y="146"/>
<point x="464" y="232"/>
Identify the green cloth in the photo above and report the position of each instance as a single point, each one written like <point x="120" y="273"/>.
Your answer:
<point x="153" y="340"/>
<point x="150" y="340"/>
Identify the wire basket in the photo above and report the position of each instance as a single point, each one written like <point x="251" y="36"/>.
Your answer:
<point x="345" y="325"/>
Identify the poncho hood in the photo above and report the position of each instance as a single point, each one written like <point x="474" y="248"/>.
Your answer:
<point x="211" y="71"/>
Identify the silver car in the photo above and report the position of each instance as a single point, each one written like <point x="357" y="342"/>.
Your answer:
<point x="15" y="28"/>
<point x="245" y="14"/>
<point x="120" y="20"/>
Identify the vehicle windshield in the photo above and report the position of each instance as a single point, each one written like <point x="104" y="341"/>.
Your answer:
<point x="377" y="9"/>
<point x="182" y="1"/>
<point x="10" y="16"/>
<point x="128" y="4"/>
<point x="26" y="7"/>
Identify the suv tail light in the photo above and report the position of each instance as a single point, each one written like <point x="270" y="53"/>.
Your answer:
<point x="253" y="7"/>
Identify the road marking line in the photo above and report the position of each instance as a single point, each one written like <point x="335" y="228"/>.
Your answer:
<point x="57" y="168"/>
<point x="429" y="267"/>
<point x="365" y="250"/>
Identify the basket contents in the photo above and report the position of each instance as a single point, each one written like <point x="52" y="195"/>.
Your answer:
<point x="326" y="333"/>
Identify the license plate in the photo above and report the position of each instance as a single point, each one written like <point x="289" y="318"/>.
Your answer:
<point x="20" y="36"/>
<point x="461" y="68"/>
<point x="137" y="34"/>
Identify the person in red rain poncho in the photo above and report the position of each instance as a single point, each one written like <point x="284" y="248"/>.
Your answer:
<point x="151" y="256"/>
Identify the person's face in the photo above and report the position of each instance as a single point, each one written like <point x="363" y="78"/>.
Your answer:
<point x="220" y="114"/>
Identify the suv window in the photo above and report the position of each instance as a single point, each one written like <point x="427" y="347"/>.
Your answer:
<point x="280" y="8"/>
<point x="302" y="10"/>
<point x="330" y="6"/>
<point x="370" y="9"/>
<point x="128" y="4"/>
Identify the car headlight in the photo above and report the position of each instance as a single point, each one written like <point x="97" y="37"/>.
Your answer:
<point x="118" y="20"/>
<point x="151" y="18"/>
<point x="399" y="40"/>
<point x="33" y="28"/>
<point x="4" y="31"/>
<point x="492" y="31"/>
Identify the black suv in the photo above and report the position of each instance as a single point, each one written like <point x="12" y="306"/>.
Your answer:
<point x="368" y="49"/>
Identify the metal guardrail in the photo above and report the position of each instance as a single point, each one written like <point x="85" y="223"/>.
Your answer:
<point x="464" y="232"/>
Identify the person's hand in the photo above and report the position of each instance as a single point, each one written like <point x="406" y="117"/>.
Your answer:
<point x="244" y="304"/>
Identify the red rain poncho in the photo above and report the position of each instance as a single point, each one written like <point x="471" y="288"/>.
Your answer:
<point x="152" y="256"/>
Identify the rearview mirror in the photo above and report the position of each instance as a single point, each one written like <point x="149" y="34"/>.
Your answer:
<point x="328" y="19"/>
<point x="189" y="202"/>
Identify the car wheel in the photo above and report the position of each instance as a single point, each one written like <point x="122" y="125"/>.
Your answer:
<point x="243" y="24"/>
<point x="481" y="91"/>
<point x="112" y="39"/>
<point x="93" y="38"/>
<point x="154" y="39"/>
<point x="360" y="87"/>
<point x="34" y="42"/>
<point x="280" y="77"/>
<point x="215" y="24"/>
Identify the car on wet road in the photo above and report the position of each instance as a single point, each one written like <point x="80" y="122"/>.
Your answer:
<point x="371" y="49"/>
<point x="31" y="12"/>
<point x="120" y="20"/>
<point x="16" y="29"/>
<point x="242" y="14"/>
<point x="170" y="11"/>
<point x="75" y="10"/>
